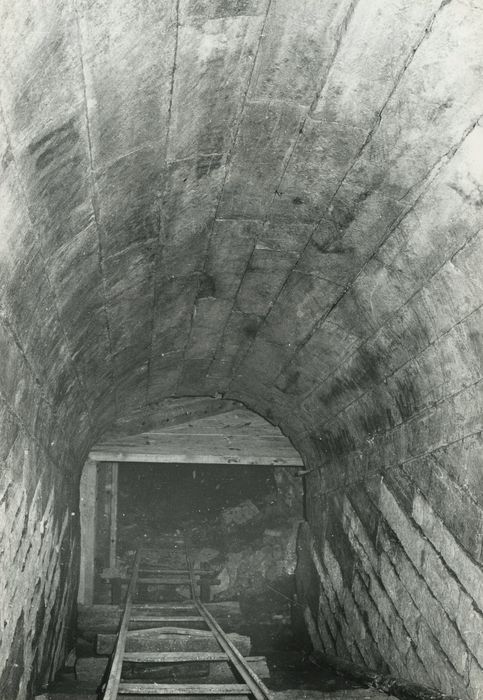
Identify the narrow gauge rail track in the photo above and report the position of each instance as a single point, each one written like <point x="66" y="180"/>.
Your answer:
<point x="113" y="686"/>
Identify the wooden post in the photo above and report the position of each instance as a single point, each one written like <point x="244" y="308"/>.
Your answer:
<point x="106" y="526"/>
<point x="113" y="516"/>
<point x="205" y="584"/>
<point x="87" y="509"/>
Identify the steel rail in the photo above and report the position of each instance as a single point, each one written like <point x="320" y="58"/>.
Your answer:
<point x="257" y="687"/>
<point x="115" y="668"/>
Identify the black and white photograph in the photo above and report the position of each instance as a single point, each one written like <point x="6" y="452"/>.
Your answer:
<point x="241" y="349"/>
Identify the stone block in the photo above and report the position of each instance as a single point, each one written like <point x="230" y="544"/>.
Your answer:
<point x="467" y="572"/>
<point x="443" y="674"/>
<point x="427" y="607"/>
<point x="475" y="687"/>
<point x="399" y="595"/>
<point x="461" y="515"/>
<point x="402" y="526"/>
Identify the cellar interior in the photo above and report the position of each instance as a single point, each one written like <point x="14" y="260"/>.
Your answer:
<point x="210" y="207"/>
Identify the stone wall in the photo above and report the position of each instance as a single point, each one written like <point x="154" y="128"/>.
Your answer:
<point x="395" y="498"/>
<point x="392" y="551"/>
<point x="38" y="550"/>
<point x="46" y="416"/>
<point x="44" y="426"/>
<point x="43" y="430"/>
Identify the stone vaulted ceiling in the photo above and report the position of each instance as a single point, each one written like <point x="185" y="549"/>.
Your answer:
<point x="275" y="201"/>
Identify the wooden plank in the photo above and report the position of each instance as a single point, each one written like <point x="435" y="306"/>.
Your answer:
<point x="236" y="422"/>
<point x="201" y="458"/>
<point x="88" y="488"/>
<point x="173" y="412"/>
<point x="178" y="452"/>
<point x="183" y="689"/>
<point x="160" y="570"/>
<point x="94" y="619"/>
<point x="169" y="579"/>
<point x="160" y="639"/>
<point x="239" y="440"/>
<point x="173" y="656"/>
<point x="153" y="619"/>
<point x="194" y="439"/>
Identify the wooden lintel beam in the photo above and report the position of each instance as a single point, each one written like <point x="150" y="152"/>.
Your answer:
<point x="100" y="455"/>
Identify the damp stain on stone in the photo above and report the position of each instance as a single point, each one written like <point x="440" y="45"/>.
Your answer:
<point x="54" y="141"/>
<point x="14" y="669"/>
<point x="250" y="327"/>
<point x="59" y="178"/>
<point x="206" y="164"/>
<point x="406" y="397"/>
<point x="337" y="442"/>
<point x="222" y="8"/>
<point x="7" y="158"/>
<point x="207" y="288"/>
<point x="333" y="248"/>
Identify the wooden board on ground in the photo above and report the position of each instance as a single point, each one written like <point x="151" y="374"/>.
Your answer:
<point x="183" y="689"/>
<point x="205" y="667"/>
<point x="170" y="639"/>
<point x="94" y="619"/>
<point x="192" y="672"/>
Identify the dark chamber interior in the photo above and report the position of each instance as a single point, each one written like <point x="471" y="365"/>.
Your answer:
<point x="241" y="522"/>
<point x="169" y="497"/>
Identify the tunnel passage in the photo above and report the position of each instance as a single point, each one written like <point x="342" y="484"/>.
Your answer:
<point x="283" y="207"/>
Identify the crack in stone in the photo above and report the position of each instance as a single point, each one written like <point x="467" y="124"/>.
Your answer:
<point x="95" y="205"/>
<point x="160" y="246"/>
